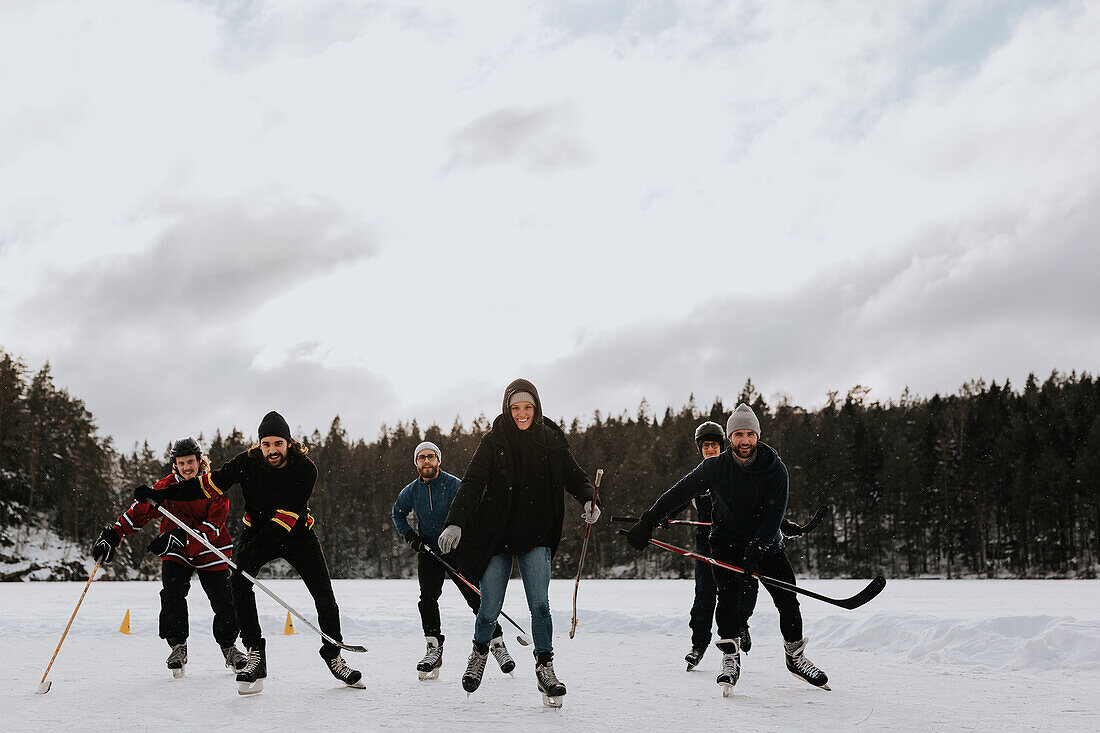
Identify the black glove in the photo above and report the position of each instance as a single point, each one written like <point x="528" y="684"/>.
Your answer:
<point x="163" y="544"/>
<point x="791" y="529"/>
<point x="416" y="542"/>
<point x="753" y="553"/>
<point x="638" y="535"/>
<point x="145" y="493"/>
<point x="103" y="549"/>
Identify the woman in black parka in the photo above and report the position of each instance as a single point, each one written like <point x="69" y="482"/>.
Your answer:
<point x="512" y="504"/>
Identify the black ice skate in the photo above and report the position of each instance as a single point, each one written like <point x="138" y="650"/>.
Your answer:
<point x="177" y="659"/>
<point x="694" y="657"/>
<point x="500" y="653"/>
<point x="731" y="665"/>
<point x="803" y="668"/>
<point x="475" y="668"/>
<point x="746" y="640"/>
<point x="550" y="686"/>
<point x="250" y="679"/>
<point x="341" y="671"/>
<point x="428" y="667"/>
<point x="235" y="659"/>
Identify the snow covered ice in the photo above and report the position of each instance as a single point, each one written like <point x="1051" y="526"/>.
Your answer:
<point x="924" y="655"/>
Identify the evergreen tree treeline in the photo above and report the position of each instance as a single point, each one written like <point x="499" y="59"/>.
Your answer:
<point x="991" y="481"/>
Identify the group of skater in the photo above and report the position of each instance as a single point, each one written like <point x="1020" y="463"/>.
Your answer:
<point x="508" y="507"/>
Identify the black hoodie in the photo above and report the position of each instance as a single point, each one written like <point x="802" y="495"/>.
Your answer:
<point x="511" y="498"/>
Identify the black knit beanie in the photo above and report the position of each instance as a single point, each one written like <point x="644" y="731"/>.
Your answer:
<point x="273" y="424"/>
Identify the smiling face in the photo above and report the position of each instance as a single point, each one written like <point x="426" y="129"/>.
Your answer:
<point x="187" y="466"/>
<point x="274" y="450"/>
<point x="427" y="464"/>
<point x="743" y="443"/>
<point x="523" y="414"/>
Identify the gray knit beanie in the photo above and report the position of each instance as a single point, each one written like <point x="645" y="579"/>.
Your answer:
<point x="522" y="396"/>
<point x="743" y="418"/>
<point x="428" y="445"/>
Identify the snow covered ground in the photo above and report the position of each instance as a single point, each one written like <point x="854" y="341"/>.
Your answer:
<point x="925" y="655"/>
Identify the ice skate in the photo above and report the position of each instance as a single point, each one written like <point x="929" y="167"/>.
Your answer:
<point x="694" y="657"/>
<point x="475" y="668"/>
<point x="235" y="659"/>
<point x="746" y="640"/>
<point x="341" y="671"/>
<point x="428" y="667"/>
<point x="550" y="686"/>
<point x="250" y="679"/>
<point x="177" y="659"/>
<point x="500" y="653"/>
<point x="803" y="668"/>
<point x="731" y="666"/>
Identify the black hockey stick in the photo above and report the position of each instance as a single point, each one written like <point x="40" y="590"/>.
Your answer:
<point x="815" y="520"/>
<point x="258" y="584"/>
<point x="525" y="640"/>
<point x="870" y="591"/>
<point x="690" y="522"/>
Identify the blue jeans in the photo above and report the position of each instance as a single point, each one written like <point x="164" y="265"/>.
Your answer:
<point x="534" y="569"/>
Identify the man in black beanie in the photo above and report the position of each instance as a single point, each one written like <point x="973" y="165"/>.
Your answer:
<point x="276" y="479"/>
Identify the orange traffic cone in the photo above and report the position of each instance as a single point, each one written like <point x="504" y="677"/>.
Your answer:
<point x="289" y="628"/>
<point x="125" y="628"/>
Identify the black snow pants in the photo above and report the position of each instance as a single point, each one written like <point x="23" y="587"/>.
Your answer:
<point x="303" y="553"/>
<point x="706" y="597"/>
<point x="431" y="574"/>
<point x="729" y="614"/>
<point x="175" y="580"/>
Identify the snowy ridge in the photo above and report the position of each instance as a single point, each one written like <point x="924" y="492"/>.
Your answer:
<point x="1045" y="643"/>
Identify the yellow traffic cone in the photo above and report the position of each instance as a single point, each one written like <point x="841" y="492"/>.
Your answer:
<point x="289" y="628"/>
<point x="125" y="628"/>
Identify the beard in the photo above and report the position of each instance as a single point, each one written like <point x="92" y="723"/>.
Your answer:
<point x="429" y="473"/>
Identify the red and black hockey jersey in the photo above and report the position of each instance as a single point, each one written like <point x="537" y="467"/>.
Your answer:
<point x="206" y="516"/>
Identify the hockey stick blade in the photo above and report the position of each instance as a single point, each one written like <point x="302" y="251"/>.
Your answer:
<point x="817" y="519"/>
<point x="873" y="588"/>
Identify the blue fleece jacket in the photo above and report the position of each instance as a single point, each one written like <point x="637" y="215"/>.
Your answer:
<point x="431" y="500"/>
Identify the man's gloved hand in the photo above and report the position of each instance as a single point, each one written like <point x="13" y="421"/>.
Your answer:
<point x="145" y="493"/>
<point x="638" y="535"/>
<point x="416" y="542"/>
<point x="591" y="513"/>
<point x="753" y="553"/>
<point x="449" y="538"/>
<point x="162" y="544"/>
<point x="103" y="549"/>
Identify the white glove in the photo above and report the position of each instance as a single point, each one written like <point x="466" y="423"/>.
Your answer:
<point x="449" y="537"/>
<point x="591" y="512"/>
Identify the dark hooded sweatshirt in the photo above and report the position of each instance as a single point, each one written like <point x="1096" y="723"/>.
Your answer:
<point x="511" y="499"/>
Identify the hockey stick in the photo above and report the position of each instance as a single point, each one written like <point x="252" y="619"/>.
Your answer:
<point x="690" y="522"/>
<point x="524" y="639"/>
<point x="584" y="548"/>
<point x="873" y="588"/>
<point x="258" y="584"/>
<point x="44" y="686"/>
<point x="817" y="519"/>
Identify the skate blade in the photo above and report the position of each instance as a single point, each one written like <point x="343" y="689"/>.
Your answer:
<point x="432" y="675"/>
<point x="551" y="702"/>
<point x="44" y="687"/>
<point x="727" y="688"/>
<point x="250" y="688"/>
<point x="690" y="667"/>
<point x="356" y="685"/>
<point x="177" y="673"/>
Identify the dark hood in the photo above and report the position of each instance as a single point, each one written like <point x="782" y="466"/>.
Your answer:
<point x="520" y="385"/>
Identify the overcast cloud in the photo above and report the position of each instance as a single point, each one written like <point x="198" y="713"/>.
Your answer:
<point x="388" y="212"/>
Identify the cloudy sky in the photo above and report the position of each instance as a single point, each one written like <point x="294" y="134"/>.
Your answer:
<point x="388" y="211"/>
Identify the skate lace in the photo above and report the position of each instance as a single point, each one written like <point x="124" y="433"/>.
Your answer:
<point x="253" y="661"/>
<point x="805" y="666"/>
<point x="476" y="665"/>
<point x="730" y="664"/>
<point x="178" y="653"/>
<point x="545" y="673"/>
<point x="500" y="653"/>
<point x="432" y="655"/>
<point x="339" y="666"/>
